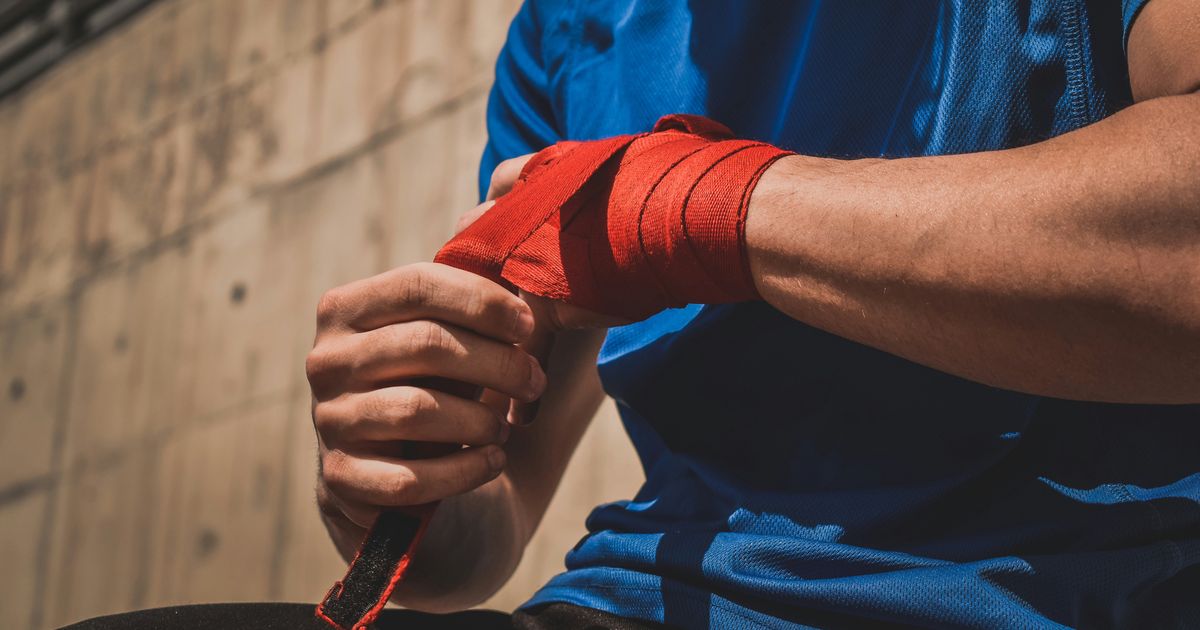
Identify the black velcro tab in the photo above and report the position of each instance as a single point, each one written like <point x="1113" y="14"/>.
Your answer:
<point x="355" y="601"/>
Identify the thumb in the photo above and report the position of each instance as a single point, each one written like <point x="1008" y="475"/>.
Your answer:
<point x="505" y="175"/>
<point x="551" y="318"/>
<point x="539" y="345"/>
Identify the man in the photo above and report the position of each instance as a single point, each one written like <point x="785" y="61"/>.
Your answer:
<point x="967" y="395"/>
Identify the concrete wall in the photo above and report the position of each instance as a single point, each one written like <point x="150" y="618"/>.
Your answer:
<point x="173" y="200"/>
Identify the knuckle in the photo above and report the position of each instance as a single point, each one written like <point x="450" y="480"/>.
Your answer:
<point x="416" y="285"/>
<point x="317" y="363"/>
<point x="508" y="170"/>
<point x="504" y="176"/>
<point x="474" y="303"/>
<point x="499" y="173"/>
<point x="367" y="409"/>
<point x="429" y="340"/>
<point x="335" y="470"/>
<point x="403" y="486"/>
<point x="411" y="403"/>
<point x="330" y="306"/>
<point x="323" y="417"/>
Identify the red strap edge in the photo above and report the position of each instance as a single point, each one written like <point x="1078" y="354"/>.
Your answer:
<point x="372" y="614"/>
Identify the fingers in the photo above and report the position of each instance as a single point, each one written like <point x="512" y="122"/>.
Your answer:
<point x="497" y="402"/>
<point x="472" y="215"/>
<point x="505" y="175"/>
<point x="426" y="291"/>
<point x="390" y="482"/>
<point x="409" y="414"/>
<point x="397" y="361"/>
<point x="425" y="348"/>
<point x="341" y="511"/>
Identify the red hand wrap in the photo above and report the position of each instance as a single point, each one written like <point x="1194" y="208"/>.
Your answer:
<point x="628" y="225"/>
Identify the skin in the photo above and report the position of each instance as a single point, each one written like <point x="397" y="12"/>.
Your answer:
<point x="375" y="336"/>
<point x="1069" y="268"/>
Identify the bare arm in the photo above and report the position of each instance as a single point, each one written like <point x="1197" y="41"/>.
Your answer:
<point x="1069" y="268"/>
<point x="429" y="320"/>
<point x="476" y="540"/>
<point x="366" y="403"/>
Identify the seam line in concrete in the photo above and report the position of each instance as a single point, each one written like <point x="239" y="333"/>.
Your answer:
<point x="16" y="491"/>
<point x="61" y="418"/>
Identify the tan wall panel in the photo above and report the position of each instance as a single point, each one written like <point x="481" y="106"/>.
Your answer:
<point x="307" y="564"/>
<point x="21" y="522"/>
<point x="98" y="539"/>
<point x="244" y="316"/>
<point x="216" y="541"/>
<point x="131" y="372"/>
<point x="43" y="210"/>
<point x="268" y="32"/>
<point x="31" y="357"/>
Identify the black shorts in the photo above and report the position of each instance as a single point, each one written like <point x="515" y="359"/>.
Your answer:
<point x="276" y="616"/>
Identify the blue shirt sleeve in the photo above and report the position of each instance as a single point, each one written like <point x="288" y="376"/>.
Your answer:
<point x="1129" y="13"/>
<point x="520" y="115"/>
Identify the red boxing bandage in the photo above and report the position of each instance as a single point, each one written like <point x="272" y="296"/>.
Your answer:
<point x="625" y="226"/>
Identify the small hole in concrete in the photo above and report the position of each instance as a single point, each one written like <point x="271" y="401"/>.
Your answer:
<point x="237" y="294"/>
<point x="121" y="343"/>
<point x="16" y="389"/>
<point x="207" y="542"/>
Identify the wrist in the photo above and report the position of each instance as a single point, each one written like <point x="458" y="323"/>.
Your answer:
<point x="774" y="197"/>
<point x="626" y="226"/>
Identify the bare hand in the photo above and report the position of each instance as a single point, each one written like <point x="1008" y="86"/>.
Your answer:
<point x="378" y="342"/>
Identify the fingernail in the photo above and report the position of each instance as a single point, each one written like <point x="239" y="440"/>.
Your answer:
<point x="537" y="379"/>
<point x="496" y="458"/>
<point x="524" y="324"/>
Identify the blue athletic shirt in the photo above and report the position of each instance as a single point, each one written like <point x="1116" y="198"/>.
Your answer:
<point x="794" y="478"/>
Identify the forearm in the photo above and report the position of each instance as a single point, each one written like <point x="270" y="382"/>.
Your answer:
<point x="1070" y="268"/>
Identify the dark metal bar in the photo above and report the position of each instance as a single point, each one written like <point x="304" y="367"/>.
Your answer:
<point x="36" y="34"/>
